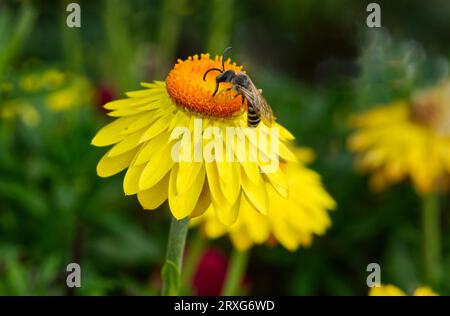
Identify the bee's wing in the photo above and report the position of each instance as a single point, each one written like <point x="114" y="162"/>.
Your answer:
<point x="260" y="104"/>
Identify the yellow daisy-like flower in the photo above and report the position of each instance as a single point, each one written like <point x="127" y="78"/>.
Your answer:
<point x="406" y="139"/>
<point x="392" y="290"/>
<point x="292" y="221"/>
<point x="147" y="130"/>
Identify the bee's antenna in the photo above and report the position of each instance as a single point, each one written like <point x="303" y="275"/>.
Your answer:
<point x="211" y="69"/>
<point x="223" y="56"/>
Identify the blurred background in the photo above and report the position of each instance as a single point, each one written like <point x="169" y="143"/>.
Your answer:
<point x="317" y="63"/>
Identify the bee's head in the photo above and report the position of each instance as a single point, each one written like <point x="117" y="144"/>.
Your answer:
<point x="226" y="76"/>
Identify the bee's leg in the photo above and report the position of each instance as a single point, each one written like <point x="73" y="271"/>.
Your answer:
<point x="243" y="103"/>
<point x="217" y="88"/>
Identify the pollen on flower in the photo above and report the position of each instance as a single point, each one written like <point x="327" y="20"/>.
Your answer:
<point x="186" y="87"/>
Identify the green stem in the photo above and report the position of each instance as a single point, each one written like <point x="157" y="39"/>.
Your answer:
<point x="175" y="250"/>
<point x="196" y="250"/>
<point x="235" y="273"/>
<point x="431" y="239"/>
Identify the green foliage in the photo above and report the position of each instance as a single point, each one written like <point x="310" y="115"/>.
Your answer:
<point x="317" y="64"/>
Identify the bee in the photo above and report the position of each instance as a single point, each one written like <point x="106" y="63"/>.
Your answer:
<point x="258" y="108"/>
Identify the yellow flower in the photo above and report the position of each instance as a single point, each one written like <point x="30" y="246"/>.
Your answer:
<point x="392" y="290"/>
<point x="73" y="95"/>
<point x="292" y="221"/>
<point x="53" y="78"/>
<point x="424" y="291"/>
<point x="406" y="139"/>
<point x="147" y="131"/>
<point x="22" y="109"/>
<point x="30" y="83"/>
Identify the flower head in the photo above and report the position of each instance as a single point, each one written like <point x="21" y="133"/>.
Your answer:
<point x="180" y="143"/>
<point x="406" y="139"/>
<point x="292" y="221"/>
<point x="392" y="290"/>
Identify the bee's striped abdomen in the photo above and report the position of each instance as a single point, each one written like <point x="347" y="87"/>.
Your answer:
<point x="253" y="118"/>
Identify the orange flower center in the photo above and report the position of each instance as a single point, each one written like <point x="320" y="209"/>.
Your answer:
<point x="432" y="108"/>
<point x="186" y="87"/>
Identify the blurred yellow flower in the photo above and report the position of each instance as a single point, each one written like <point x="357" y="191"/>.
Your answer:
<point x="392" y="290"/>
<point x="30" y="82"/>
<point x="76" y="93"/>
<point x="53" y="78"/>
<point x="406" y="139"/>
<point x="50" y="79"/>
<point x="144" y="142"/>
<point x="292" y="221"/>
<point x="20" y="109"/>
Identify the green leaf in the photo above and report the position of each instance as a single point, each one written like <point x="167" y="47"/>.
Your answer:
<point x="171" y="279"/>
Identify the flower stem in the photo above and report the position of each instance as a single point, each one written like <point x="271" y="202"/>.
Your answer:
<point x="431" y="238"/>
<point x="175" y="249"/>
<point x="235" y="273"/>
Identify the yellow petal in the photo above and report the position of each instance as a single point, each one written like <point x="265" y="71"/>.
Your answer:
<point x="152" y="198"/>
<point x="131" y="180"/>
<point x="156" y="128"/>
<point x="108" y="166"/>
<point x="278" y="181"/>
<point x="230" y="179"/>
<point x="140" y="93"/>
<point x="133" y="103"/>
<point x="214" y="183"/>
<point x="126" y="112"/>
<point x="151" y="85"/>
<point x="183" y="204"/>
<point x="258" y="225"/>
<point x="241" y="240"/>
<point x="156" y="168"/>
<point x="256" y="192"/>
<point x="284" y="233"/>
<point x="227" y="213"/>
<point x="285" y="134"/>
<point x="127" y="144"/>
<point x="251" y="170"/>
<point x="111" y="133"/>
<point x="187" y="173"/>
<point x="204" y="201"/>
<point x="151" y="148"/>
<point x="213" y="227"/>
<point x="144" y="121"/>
<point x="285" y="153"/>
